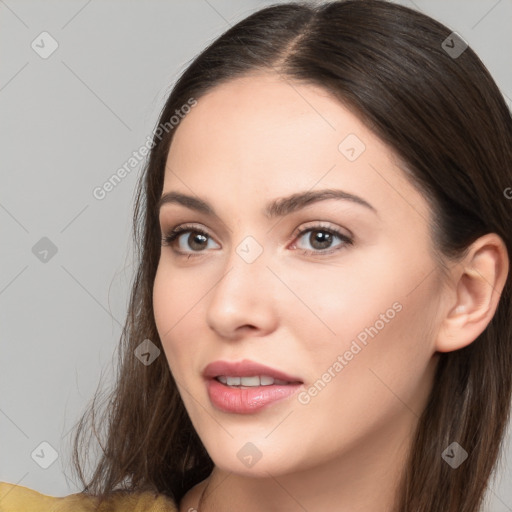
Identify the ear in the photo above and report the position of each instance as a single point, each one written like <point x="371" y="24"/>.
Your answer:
<point x="478" y="282"/>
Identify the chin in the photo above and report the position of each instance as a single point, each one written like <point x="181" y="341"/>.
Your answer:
<point x="254" y="456"/>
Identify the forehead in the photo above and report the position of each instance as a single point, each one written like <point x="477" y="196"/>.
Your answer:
<point x="265" y="134"/>
<point x="262" y="114"/>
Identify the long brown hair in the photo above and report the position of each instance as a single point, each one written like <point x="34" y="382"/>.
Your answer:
<point x="446" y="120"/>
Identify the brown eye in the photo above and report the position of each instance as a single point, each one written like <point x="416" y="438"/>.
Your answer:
<point x="188" y="240"/>
<point x="196" y="241"/>
<point x="320" y="239"/>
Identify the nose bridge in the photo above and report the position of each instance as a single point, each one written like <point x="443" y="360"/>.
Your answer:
<point x="243" y="295"/>
<point x="246" y="272"/>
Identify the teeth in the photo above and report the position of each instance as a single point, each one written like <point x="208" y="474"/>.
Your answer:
<point x="253" y="381"/>
<point x="250" y="381"/>
<point x="233" y="381"/>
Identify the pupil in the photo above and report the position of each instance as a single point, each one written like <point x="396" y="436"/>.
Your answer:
<point x="194" y="238"/>
<point x="321" y="237"/>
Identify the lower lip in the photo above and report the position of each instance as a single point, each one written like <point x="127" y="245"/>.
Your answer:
<point x="247" y="400"/>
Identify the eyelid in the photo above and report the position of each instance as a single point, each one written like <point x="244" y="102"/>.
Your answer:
<point x="321" y="224"/>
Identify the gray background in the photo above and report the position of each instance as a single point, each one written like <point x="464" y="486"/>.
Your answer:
<point x="68" y="123"/>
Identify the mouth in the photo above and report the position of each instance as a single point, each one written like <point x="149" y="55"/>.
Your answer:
<point x="251" y="381"/>
<point x="247" y="387"/>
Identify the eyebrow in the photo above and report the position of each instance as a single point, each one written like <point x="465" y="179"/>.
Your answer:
<point x="276" y="208"/>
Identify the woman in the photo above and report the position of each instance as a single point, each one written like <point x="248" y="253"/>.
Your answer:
<point x="321" y="314"/>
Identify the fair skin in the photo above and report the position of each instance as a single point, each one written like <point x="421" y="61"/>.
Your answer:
<point x="248" y="142"/>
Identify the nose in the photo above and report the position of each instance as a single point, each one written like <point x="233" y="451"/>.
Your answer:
<point x="244" y="300"/>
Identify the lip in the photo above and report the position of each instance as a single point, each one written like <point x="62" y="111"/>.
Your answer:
<point x="247" y="400"/>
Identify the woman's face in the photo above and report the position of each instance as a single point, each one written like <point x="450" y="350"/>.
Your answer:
<point x="348" y="308"/>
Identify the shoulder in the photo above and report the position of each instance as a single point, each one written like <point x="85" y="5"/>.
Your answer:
<point x="15" y="498"/>
<point x="191" y="499"/>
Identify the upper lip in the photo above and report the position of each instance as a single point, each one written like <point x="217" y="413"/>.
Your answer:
<point x="245" y="368"/>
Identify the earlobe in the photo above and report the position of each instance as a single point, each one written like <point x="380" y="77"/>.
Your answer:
<point x="479" y="281"/>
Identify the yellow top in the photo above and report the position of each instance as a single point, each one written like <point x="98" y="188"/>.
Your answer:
<point x="16" y="498"/>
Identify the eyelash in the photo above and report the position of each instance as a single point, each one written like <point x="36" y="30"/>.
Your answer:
<point x="184" y="228"/>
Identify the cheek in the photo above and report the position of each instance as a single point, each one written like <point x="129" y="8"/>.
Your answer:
<point x="369" y="339"/>
<point x="175" y="303"/>
<point x="378" y="366"/>
<point x="360" y="297"/>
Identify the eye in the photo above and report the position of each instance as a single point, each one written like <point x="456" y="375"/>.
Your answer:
<point x="195" y="240"/>
<point x="321" y="238"/>
<point x="191" y="239"/>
